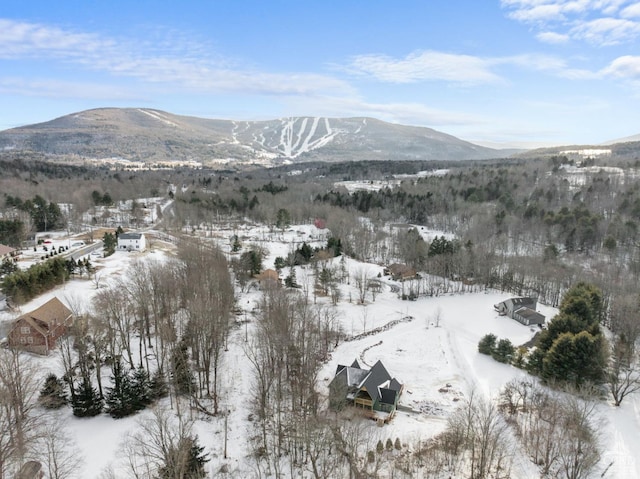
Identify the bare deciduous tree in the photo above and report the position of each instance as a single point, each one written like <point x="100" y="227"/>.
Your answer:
<point x="361" y="278"/>
<point x="623" y="373"/>
<point x="58" y="451"/>
<point x="160" y="442"/>
<point x="209" y="298"/>
<point x="18" y="390"/>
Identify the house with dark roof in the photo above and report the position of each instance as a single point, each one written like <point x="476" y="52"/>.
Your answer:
<point x="521" y="309"/>
<point x="38" y="330"/>
<point x="372" y="389"/>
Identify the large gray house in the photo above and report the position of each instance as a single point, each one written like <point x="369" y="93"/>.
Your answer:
<point x="521" y="309"/>
<point x="369" y="389"/>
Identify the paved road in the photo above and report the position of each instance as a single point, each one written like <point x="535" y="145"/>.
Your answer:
<point x="85" y="250"/>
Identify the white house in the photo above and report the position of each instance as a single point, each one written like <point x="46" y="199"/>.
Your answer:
<point x="131" y="242"/>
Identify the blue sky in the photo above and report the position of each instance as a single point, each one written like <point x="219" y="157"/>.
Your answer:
<point x="528" y="72"/>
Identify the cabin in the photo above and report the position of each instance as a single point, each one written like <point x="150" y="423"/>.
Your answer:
<point x="373" y="390"/>
<point x="268" y="278"/>
<point x="131" y="242"/>
<point x="521" y="309"/>
<point x="401" y="272"/>
<point x="38" y="330"/>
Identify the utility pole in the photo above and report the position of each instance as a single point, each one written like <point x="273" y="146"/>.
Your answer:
<point x="226" y="416"/>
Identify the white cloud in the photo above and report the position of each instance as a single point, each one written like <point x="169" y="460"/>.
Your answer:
<point x="51" y="88"/>
<point x="534" y="62"/>
<point x="602" y="22"/>
<point x="606" y="31"/>
<point x="19" y="39"/>
<point x="425" y="66"/>
<point x="552" y="37"/>
<point x="627" y="67"/>
<point x="178" y="63"/>
<point x="457" y="69"/>
<point x="538" y="13"/>
<point x="632" y="11"/>
<point x="394" y="112"/>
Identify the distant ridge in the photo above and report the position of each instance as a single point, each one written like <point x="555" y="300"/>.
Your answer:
<point x="627" y="139"/>
<point x="147" y="135"/>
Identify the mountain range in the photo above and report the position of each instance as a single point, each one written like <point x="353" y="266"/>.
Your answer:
<point x="150" y="136"/>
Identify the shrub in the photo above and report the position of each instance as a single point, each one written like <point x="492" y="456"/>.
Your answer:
<point x="487" y="344"/>
<point x="504" y="351"/>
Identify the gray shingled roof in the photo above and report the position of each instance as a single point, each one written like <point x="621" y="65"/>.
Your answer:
<point x="532" y="316"/>
<point x="130" y="236"/>
<point x="377" y="381"/>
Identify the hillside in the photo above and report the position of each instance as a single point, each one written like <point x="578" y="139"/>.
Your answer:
<point x="150" y="136"/>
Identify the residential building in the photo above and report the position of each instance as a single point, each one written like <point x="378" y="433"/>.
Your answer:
<point x="38" y="330"/>
<point x="131" y="242"/>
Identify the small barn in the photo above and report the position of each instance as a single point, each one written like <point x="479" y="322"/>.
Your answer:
<point x="369" y="389"/>
<point x="268" y="278"/>
<point x="522" y="309"/>
<point x="38" y="330"/>
<point x="131" y="242"/>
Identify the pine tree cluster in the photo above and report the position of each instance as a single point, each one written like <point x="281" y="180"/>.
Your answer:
<point x="573" y="349"/>
<point x="86" y="401"/>
<point x="131" y="392"/>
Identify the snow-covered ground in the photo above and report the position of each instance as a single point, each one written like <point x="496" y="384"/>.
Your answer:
<point x="433" y="353"/>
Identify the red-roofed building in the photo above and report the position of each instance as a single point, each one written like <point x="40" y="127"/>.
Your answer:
<point x="38" y="330"/>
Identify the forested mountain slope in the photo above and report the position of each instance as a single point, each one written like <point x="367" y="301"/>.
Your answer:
<point x="151" y="135"/>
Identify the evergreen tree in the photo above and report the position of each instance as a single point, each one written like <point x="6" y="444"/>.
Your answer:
<point x="251" y="262"/>
<point x="109" y="242"/>
<point x="140" y="389"/>
<point x="503" y="351"/>
<point x="572" y="349"/>
<point x="184" y="460"/>
<point x="235" y="244"/>
<point x="7" y="266"/>
<point x="535" y="361"/>
<point x="290" y="280"/>
<point x="53" y="394"/>
<point x="279" y="263"/>
<point x="181" y="375"/>
<point x="334" y="244"/>
<point x="158" y="386"/>
<point x="87" y="401"/>
<point x="120" y="397"/>
<point x="283" y="219"/>
<point x="487" y="344"/>
<point x="306" y="252"/>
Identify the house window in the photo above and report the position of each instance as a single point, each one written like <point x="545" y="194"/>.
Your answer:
<point x="30" y="340"/>
<point x="23" y="340"/>
<point x="25" y="330"/>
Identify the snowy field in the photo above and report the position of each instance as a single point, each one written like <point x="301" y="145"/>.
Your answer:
<point x="433" y="352"/>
